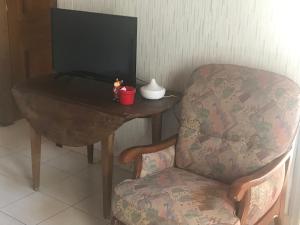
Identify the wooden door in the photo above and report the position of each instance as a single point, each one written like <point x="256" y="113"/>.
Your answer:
<point x="30" y="37"/>
<point x="6" y="100"/>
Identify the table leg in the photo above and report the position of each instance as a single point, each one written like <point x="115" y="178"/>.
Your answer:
<point x="107" y="172"/>
<point x="35" y="157"/>
<point x="156" y="128"/>
<point x="90" y="153"/>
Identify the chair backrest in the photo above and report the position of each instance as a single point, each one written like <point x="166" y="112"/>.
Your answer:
<point x="235" y="120"/>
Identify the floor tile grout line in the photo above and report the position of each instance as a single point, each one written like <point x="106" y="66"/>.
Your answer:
<point x="46" y="163"/>
<point x="70" y="206"/>
<point x="54" y="197"/>
<point x="13" y="217"/>
<point x="61" y="201"/>
<point x="92" y="194"/>
<point x="20" y="199"/>
<point x="74" y="206"/>
<point x="77" y="202"/>
<point x="93" y="191"/>
<point x="64" y="209"/>
<point x="97" y="218"/>
<point x="15" y="201"/>
<point x="20" y="179"/>
<point x="69" y="176"/>
<point x="67" y="205"/>
<point x="17" y="179"/>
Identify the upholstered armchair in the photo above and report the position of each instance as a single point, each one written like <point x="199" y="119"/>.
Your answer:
<point x="228" y="165"/>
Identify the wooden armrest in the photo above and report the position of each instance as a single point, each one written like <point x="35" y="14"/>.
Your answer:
<point x="239" y="188"/>
<point x="132" y="154"/>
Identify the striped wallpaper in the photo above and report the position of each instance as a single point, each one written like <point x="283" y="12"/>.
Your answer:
<point x="176" y="36"/>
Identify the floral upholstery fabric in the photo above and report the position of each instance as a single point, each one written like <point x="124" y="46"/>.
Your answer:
<point x="173" y="196"/>
<point x="158" y="161"/>
<point x="265" y="195"/>
<point x="235" y="120"/>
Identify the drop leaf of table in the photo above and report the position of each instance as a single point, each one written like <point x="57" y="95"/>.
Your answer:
<point x="80" y="112"/>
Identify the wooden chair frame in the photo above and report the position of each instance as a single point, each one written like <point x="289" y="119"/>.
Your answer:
<point x="240" y="190"/>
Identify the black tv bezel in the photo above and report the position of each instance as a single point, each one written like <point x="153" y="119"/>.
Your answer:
<point x="133" y="59"/>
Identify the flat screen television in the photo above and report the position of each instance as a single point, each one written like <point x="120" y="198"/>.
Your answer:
<point x="99" y="46"/>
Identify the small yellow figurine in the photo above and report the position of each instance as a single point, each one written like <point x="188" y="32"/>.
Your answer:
<point x="117" y="86"/>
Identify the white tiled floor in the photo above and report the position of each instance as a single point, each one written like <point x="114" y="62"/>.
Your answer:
<point x="70" y="192"/>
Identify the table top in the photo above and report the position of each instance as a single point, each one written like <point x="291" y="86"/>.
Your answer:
<point x="95" y="95"/>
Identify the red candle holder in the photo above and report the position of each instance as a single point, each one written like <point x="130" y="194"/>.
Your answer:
<point x="127" y="95"/>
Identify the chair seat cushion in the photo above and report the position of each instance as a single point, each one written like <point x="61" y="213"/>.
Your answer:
<point x="173" y="196"/>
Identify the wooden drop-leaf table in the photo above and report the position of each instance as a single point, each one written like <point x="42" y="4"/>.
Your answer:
<point x="80" y="112"/>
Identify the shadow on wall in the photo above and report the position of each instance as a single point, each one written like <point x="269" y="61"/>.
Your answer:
<point x="139" y="131"/>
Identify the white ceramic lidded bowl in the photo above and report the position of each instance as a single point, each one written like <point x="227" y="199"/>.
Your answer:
<point x="153" y="91"/>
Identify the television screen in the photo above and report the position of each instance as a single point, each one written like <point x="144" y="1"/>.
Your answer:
<point x="98" y="45"/>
